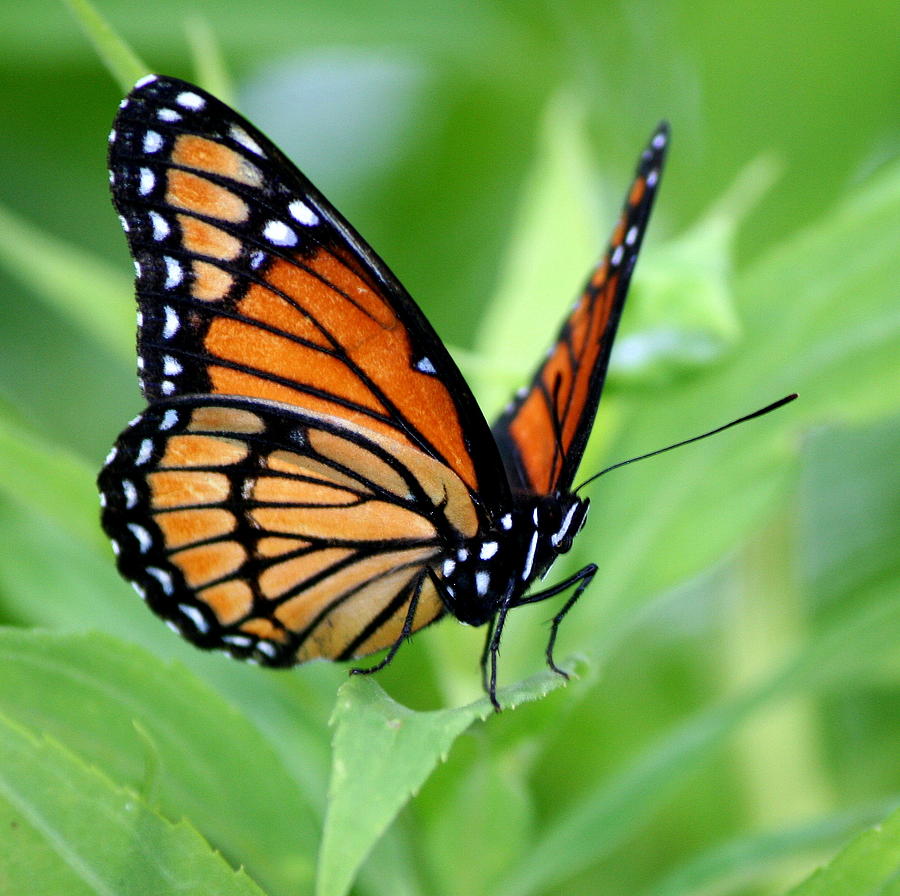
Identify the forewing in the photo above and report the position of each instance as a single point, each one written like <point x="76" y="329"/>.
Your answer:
<point x="250" y="283"/>
<point x="278" y="534"/>
<point x="543" y="432"/>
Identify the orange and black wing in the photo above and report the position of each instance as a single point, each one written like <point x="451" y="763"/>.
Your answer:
<point x="542" y="434"/>
<point x="250" y="283"/>
<point x="275" y="533"/>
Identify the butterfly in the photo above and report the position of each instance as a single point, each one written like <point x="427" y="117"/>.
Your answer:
<point x="312" y="476"/>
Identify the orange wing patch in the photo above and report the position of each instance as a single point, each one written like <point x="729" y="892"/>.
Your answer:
<point x="339" y="349"/>
<point x="430" y="608"/>
<point x="335" y="636"/>
<point x="203" y="154"/>
<point x="209" y="562"/>
<point x="551" y="414"/>
<point x="542" y="433"/>
<point x="231" y="601"/>
<point x="185" y="527"/>
<point x="200" y="195"/>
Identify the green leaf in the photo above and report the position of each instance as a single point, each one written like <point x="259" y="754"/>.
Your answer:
<point x="868" y="866"/>
<point x="69" y="829"/>
<point x="382" y="754"/>
<point x="121" y="61"/>
<point x="127" y="712"/>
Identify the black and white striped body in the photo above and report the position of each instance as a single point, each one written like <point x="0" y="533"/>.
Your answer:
<point x="496" y="569"/>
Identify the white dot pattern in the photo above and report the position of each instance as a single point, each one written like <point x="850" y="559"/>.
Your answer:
<point x="279" y="233"/>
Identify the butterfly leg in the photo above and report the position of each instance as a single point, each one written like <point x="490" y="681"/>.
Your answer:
<point x="490" y="654"/>
<point x="404" y="633"/>
<point x="486" y="653"/>
<point x="581" y="580"/>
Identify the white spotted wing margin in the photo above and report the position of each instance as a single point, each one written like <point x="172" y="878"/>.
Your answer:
<point x="275" y="534"/>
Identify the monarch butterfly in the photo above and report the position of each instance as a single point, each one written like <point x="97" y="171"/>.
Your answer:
<point x="312" y="477"/>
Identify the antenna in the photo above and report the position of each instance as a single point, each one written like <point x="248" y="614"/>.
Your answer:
<point x="622" y="463"/>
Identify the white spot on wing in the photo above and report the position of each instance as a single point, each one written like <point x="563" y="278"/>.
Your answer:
<point x="631" y="236"/>
<point x="145" y="542"/>
<point x="482" y="582"/>
<point x="143" y="82"/>
<point x="616" y="258"/>
<point x="147" y="181"/>
<point x="462" y="555"/>
<point x="153" y="142"/>
<point x="267" y="648"/>
<point x="448" y="567"/>
<point x="652" y="178"/>
<point x="279" y="233"/>
<point x="425" y="365"/>
<point x="242" y="137"/>
<point x="257" y="257"/>
<point x="190" y="100"/>
<point x="164" y="579"/>
<point x="144" y="452"/>
<point x="131" y="495"/>
<point x="139" y="591"/>
<point x="170" y="418"/>
<point x="160" y="226"/>
<point x="174" y="273"/>
<point x="168" y="115"/>
<point x="111" y="456"/>
<point x="506" y="521"/>
<point x="171" y="367"/>
<point x="237" y="640"/>
<point x="195" y="616"/>
<point x="167" y="387"/>
<point x="170" y="328"/>
<point x="303" y="214"/>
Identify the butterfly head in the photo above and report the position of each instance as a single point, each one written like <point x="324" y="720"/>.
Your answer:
<point x="497" y="567"/>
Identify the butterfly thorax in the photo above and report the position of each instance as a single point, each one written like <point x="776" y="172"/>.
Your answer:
<point x="497" y="566"/>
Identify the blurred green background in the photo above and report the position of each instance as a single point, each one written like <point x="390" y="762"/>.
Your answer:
<point x="736" y="717"/>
